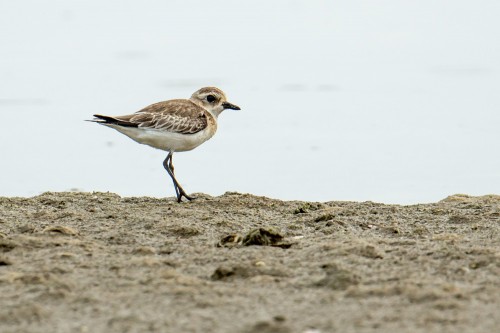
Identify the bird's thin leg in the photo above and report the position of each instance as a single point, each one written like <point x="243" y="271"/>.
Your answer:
<point x="171" y="167"/>
<point x="167" y="164"/>
<point x="176" y="186"/>
<point x="179" y="191"/>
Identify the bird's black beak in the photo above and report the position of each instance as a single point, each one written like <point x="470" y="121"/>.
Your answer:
<point x="227" y="105"/>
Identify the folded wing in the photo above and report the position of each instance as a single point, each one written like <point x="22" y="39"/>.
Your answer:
<point x="178" y="116"/>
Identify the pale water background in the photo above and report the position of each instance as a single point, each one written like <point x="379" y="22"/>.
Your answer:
<point x="391" y="101"/>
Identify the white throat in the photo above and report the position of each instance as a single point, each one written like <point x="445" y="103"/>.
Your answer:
<point x="215" y="111"/>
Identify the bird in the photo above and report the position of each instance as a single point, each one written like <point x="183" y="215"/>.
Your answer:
<point x="176" y="125"/>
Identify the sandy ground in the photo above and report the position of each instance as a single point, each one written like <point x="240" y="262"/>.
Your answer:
<point x="96" y="262"/>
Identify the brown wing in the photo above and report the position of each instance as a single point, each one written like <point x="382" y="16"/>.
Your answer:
<point x="178" y="115"/>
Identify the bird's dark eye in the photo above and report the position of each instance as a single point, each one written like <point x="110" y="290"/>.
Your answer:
<point x="210" y="98"/>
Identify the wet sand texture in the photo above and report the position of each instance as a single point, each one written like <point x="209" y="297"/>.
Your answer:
<point x="96" y="262"/>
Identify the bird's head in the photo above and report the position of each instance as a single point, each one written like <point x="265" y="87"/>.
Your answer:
<point x="213" y="99"/>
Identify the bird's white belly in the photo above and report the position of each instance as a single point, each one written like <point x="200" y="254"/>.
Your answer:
<point x="164" y="140"/>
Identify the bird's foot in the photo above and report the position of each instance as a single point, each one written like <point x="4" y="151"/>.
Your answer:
<point x="183" y="194"/>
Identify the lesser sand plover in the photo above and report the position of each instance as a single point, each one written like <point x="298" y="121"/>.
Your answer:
<point x="174" y="126"/>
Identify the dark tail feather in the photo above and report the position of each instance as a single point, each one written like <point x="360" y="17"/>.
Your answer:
<point x="110" y="120"/>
